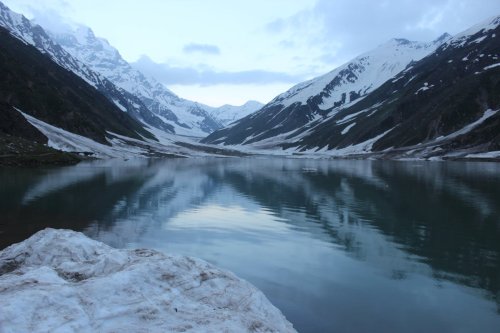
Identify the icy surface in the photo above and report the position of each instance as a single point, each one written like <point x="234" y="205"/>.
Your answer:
<point x="125" y="147"/>
<point x="62" y="281"/>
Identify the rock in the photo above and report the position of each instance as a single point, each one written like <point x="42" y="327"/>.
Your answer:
<point x="60" y="280"/>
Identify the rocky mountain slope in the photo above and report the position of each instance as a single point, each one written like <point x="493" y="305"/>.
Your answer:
<point x="48" y="97"/>
<point x="35" y="35"/>
<point x="445" y="104"/>
<point x="35" y="84"/>
<point x="186" y="117"/>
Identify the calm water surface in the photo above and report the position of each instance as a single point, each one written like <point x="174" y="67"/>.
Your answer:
<point x="338" y="246"/>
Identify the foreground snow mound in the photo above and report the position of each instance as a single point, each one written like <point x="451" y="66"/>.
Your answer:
<point x="60" y="281"/>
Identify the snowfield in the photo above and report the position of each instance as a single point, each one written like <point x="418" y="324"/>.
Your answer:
<point x="62" y="281"/>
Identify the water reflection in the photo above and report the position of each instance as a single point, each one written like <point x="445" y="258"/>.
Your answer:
<point x="327" y="241"/>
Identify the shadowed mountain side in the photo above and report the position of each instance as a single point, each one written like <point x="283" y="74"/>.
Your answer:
<point x="36" y="85"/>
<point x="435" y="97"/>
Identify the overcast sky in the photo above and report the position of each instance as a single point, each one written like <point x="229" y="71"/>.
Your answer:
<point x="231" y="51"/>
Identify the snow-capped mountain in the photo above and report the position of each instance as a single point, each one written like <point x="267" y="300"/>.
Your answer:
<point x="327" y="94"/>
<point x="33" y="34"/>
<point x="445" y="105"/>
<point x="186" y="117"/>
<point x="358" y="77"/>
<point x="228" y="114"/>
<point x="39" y="87"/>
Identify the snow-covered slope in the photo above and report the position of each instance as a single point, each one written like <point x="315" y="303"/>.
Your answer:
<point x="60" y="281"/>
<point x="441" y="105"/>
<point x="228" y="114"/>
<point x="169" y="145"/>
<point x="326" y="95"/>
<point x="187" y="117"/>
<point x="359" y="76"/>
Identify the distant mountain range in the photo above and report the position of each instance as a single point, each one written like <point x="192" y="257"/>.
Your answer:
<point x="74" y="92"/>
<point x="403" y="99"/>
<point x="185" y="117"/>
<point x="101" y="65"/>
<point x="228" y="114"/>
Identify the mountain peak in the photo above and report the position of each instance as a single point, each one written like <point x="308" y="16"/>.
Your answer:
<point x="402" y="41"/>
<point x="442" y="39"/>
<point x="84" y="34"/>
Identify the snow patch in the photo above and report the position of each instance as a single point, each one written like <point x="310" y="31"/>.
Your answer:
<point x="121" y="107"/>
<point x="487" y="114"/>
<point x="490" y="154"/>
<point x="60" y="280"/>
<point x="345" y="130"/>
<point x="491" y="66"/>
<point x="425" y="87"/>
<point x="361" y="75"/>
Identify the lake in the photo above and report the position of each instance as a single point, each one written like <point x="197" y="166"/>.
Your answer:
<point x="337" y="246"/>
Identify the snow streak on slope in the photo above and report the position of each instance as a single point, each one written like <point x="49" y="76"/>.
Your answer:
<point x="69" y="282"/>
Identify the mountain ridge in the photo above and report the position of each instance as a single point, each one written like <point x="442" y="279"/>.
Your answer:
<point x="33" y="34"/>
<point x="185" y="116"/>
<point x="325" y="95"/>
<point x="34" y="83"/>
<point x="442" y="104"/>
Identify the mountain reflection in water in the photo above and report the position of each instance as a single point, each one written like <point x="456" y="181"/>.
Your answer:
<point x="336" y="245"/>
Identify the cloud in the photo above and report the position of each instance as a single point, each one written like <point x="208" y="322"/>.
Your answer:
<point x="201" y="48"/>
<point x="342" y="29"/>
<point x="170" y="75"/>
<point x="52" y="21"/>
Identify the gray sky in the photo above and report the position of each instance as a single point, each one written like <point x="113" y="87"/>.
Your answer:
<point x="228" y="51"/>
